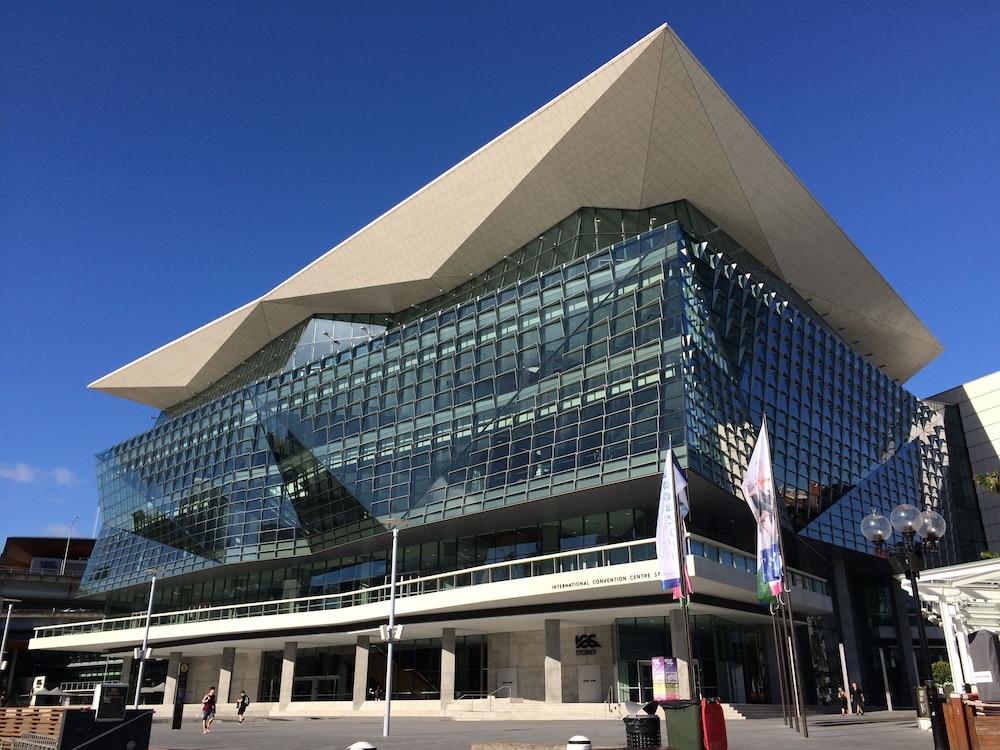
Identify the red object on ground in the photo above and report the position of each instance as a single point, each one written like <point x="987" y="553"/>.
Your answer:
<point x="713" y="724"/>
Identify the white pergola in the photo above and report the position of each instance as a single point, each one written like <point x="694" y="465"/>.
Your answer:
<point x="965" y="598"/>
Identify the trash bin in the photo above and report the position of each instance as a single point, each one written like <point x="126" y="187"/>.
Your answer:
<point x="642" y="730"/>
<point x="683" y="724"/>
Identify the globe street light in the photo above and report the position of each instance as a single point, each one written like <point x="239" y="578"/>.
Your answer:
<point x="920" y="532"/>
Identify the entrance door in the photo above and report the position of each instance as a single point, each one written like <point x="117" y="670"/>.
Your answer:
<point x="645" y="681"/>
<point x="588" y="680"/>
<point x="507" y="679"/>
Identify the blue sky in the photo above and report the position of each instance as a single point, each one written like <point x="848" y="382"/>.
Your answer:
<point x="162" y="164"/>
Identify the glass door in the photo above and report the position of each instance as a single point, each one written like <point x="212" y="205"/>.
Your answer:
<point x="645" y="672"/>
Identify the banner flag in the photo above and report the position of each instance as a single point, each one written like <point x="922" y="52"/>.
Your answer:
<point x="673" y="496"/>
<point x="758" y="490"/>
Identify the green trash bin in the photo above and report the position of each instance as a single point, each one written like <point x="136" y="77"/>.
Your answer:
<point x="683" y="724"/>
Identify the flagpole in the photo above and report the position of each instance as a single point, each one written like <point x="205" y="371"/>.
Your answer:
<point x="792" y="640"/>
<point x="682" y="570"/>
<point x="779" y="655"/>
<point x="684" y="581"/>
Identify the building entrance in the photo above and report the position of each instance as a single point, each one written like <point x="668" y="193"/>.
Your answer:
<point x="316" y="688"/>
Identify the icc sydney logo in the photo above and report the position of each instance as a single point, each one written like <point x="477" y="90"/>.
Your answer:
<point x="587" y="645"/>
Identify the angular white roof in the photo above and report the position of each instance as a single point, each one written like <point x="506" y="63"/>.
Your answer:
<point x="648" y="127"/>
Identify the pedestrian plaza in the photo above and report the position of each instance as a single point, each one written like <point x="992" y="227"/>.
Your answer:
<point x="886" y="730"/>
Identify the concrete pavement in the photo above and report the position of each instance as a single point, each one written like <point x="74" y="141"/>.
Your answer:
<point x="881" y="731"/>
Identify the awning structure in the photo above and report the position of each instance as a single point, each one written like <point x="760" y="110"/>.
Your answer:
<point x="965" y="598"/>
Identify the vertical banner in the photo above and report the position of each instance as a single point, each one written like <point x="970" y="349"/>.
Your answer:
<point x="673" y="500"/>
<point x="758" y="490"/>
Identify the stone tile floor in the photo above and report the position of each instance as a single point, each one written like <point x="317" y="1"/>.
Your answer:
<point x="879" y="730"/>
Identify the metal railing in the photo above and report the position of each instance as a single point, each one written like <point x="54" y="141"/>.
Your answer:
<point x="74" y="569"/>
<point x="560" y="562"/>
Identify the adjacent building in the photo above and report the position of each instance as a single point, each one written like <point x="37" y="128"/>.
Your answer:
<point x="501" y="362"/>
<point x="39" y="582"/>
<point x="973" y="411"/>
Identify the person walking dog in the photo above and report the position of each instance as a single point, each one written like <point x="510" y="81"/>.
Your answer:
<point x="241" y="705"/>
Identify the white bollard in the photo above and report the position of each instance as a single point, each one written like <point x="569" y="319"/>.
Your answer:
<point x="579" y="742"/>
<point x="362" y="745"/>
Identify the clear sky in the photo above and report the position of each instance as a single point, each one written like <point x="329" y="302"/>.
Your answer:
<point x="163" y="163"/>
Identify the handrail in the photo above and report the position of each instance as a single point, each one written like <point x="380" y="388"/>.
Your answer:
<point x="636" y="550"/>
<point x="493" y="693"/>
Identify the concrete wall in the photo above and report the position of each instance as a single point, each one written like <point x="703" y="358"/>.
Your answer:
<point x="525" y="652"/>
<point x="246" y="674"/>
<point x="203" y="673"/>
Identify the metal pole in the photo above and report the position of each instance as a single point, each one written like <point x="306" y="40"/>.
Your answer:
<point x="685" y="588"/>
<point x="145" y="641"/>
<point x="779" y="655"/>
<point x="62" y="570"/>
<point x="392" y="627"/>
<point x="6" y="627"/>
<point x="885" y="679"/>
<point x="789" y="648"/>
<point x="794" y="667"/>
<point x="937" y="730"/>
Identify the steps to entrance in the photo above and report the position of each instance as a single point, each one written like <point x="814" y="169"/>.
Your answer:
<point x="506" y="709"/>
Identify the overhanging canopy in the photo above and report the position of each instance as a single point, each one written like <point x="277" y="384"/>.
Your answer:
<point x="647" y="128"/>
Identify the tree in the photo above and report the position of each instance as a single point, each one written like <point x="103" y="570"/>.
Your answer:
<point x="941" y="671"/>
<point x="989" y="482"/>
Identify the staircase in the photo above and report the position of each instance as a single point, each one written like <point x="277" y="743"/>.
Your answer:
<point x="517" y="709"/>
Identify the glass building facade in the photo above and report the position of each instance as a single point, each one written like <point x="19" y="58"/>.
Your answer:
<point x="572" y="364"/>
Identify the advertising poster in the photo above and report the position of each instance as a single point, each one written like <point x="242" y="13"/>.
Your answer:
<point x="659" y="665"/>
<point x="673" y="683"/>
<point x="666" y="686"/>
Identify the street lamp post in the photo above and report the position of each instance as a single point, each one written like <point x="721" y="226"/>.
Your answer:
<point x="6" y="628"/>
<point x="145" y="640"/>
<point x="62" y="570"/>
<point x="908" y="557"/>
<point x="391" y="633"/>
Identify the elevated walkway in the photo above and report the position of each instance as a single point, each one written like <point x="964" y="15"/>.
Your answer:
<point x="595" y="575"/>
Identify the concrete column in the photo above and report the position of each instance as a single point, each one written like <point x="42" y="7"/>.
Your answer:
<point x="678" y="645"/>
<point x="226" y="674"/>
<point x="904" y="637"/>
<point x="173" y="671"/>
<point x="845" y="618"/>
<point x="126" y="669"/>
<point x="361" y="650"/>
<point x="246" y="674"/>
<point x="447" y="666"/>
<point x="287" y="673"/>
<point x="553" y="663"/>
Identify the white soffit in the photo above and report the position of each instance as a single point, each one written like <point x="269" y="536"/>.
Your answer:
<point x="648" y="127"/>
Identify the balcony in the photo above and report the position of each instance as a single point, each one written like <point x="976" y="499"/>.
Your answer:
<point x="719" y="570"/>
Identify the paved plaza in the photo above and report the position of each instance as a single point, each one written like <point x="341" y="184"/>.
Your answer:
<point x="885" y="731"/>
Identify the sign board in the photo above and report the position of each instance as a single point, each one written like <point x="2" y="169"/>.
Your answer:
<point x="666" y="686"/>
<point x="109" y="701"/>
<point x="38" y="684"/>
<point x="180" y="692"/>
<point x="981" y="677"/>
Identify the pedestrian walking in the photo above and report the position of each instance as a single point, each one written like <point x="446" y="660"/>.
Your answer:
<point x="858" y="699"/>
<point x="241" y="706"/>
<point x="842" y="697"/>
<point x="207" y="711"/>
